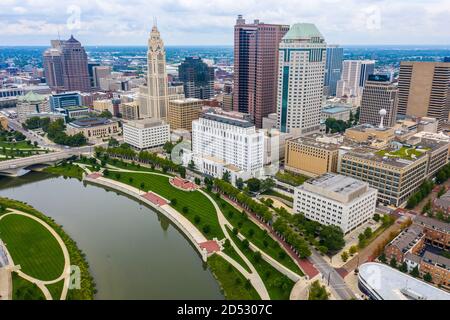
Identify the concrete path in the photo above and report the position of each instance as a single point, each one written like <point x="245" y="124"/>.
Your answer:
<point x="41" y="283"/>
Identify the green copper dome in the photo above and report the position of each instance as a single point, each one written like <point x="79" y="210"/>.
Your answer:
<point x="302" y="31"/>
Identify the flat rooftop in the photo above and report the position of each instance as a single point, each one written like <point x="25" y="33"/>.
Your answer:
<point x="227" y="120"/>
<point x="312" y="142"/>
<point x="336" y="187"/>
<point x="334" y="110"/>
<point x="90" y="122"/>
<point x="432" y="223"/>
<point x="391" y="284"/>
<point x="145" y="123"/>
<point x="337" y="183"/>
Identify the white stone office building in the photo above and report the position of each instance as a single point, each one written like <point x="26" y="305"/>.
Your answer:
<point x="334" y="199"/>
<point x="146" y="133"/>
<point x="301" y="69"/>
<point x="222" y="143"/>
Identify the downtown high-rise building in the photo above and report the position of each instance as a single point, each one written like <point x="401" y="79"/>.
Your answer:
<point x="75" y="66"/>
<point x="154" y="98"/>
<point x="53" y="69"/>
<point x="333" y="68"/>
<point x="197" y="78"/>
<point x="301" y="70"/>
<point x="255" y="67"/>
<point x="66" y="66"/>
<point x="379" y="93"/>
<point x="424" y="90"/>
<point x="354" y="76"/>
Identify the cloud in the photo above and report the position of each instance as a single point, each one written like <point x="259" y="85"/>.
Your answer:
<point x="211" y="22"/>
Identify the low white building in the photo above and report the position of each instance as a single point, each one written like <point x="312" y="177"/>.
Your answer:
<point x="334" y="199"/>
<point x="146" y="133"/>
<point x="223" y="143"/>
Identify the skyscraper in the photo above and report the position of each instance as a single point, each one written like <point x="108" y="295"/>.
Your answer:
<point x="301" y="70"/>
<point x="255" y="67"/>
<point x="75" y="66"/>
<point x="154" y="100"/>
<point x="333" y="68"/>
<point x="424" y="90"/>
<point x="379" y="93"/>
<point x="197" y="78"/>
<point x="52" y="61"/>
<point x="354" y="76"/>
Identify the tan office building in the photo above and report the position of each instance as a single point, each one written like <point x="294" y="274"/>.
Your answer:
<point x="182" y="112"/>
<point x="424" y="90"/>
<point x="379" y="93"/>
<point x="397" y="174"/>
<point x="102" y="105"/>
<point x="129" y="110"/>
<point x="310" y="157"/>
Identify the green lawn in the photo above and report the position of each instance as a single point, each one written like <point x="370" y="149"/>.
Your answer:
<point x="17" y="145"/>
<point x="196" y="203"/>
<point x="403" y="153"/>
<point x="56" y="289"/>
<point x="25" y="290"/>
<point x="291" y="178"/>
<point x="235" y="256"/>
<point x="260" y="238"/>
<point x="67" y="170"/>
<point x="130" y="166"/>
<point x="277" y="284"/>
<point x="233" y="283"/>
<point x="32" y="247"/>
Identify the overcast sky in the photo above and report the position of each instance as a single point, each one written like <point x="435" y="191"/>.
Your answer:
<point x="210" y="22"/>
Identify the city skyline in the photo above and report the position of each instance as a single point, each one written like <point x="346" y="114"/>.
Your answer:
<point x="194" y="23"/>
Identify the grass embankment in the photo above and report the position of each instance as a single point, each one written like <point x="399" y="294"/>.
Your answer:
<point x="77" y="257"/>
<point x="193" y="205"/>
<point x="277" y="284"/>
<point x="32" y="247"/>
<point x="66" y="170"/>
<point x="256" y="235"/>
<point x="278" y="195"/>
<point x="291" y="178"/>
<point x="229" y="251"/>
<point x="234" y="285"/>
<point x="24" y="290"/>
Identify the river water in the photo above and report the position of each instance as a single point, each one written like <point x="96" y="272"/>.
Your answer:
<point x="133" y="252"/>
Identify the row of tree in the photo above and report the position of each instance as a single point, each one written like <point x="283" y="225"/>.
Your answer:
<point x="55" y="132"/>
<point x="424" y="190"/>
<point x="292" y="237"/>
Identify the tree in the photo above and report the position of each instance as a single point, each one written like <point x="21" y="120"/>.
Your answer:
<point x="113" y="142"/>
<point x="267" y="184"/>
<point x="168" y="146"/>
<point x="239" y="183"/>
<point x="368" y="233"/>
<point x="376" y="217"/>
<point x="427" y="277"/>
<point x="197" y="181"/>
<point x="226" y="176"/>
<point x="318" y="292"/>
<point x="332" y="237"/>
<point x="191" y="165"/>
<point x="393" y="262"/>
<point x="174" y="201"/>
<point x="344" y="256"/>
<point x="257" y="256"/>
<point x="253" y="184"/>
<point x="441" y="192"/>
<point x="382" y="257"/>
<point x="403" y="267"/>
<point x="142" y="185"/>
<point x="415" y="272"/>
<point x="353" y="250"/>
<point x="196" y="219"/>
<point x="245" y="243"/>
<point x="106" y="114"/>
<point x="186" y="210"/>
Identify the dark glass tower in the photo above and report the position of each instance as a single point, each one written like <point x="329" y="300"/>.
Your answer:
<point x="197" y="78"/>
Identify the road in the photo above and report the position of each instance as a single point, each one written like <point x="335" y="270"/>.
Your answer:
<point x="331" y="277"/>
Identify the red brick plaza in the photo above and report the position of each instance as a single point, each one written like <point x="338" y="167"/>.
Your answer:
<point x="183" y="184"/>
<point x="155" y="199"/>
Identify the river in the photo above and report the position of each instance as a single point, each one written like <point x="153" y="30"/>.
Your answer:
<point x="133" y="252"/>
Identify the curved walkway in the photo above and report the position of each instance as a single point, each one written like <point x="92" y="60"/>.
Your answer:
<point x="253" y="276"/>
<point x="65" y="275"/>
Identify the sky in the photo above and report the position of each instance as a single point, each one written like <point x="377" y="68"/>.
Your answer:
<point x="210" y="22"/>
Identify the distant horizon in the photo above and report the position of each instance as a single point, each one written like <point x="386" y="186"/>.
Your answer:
<point x="230" y="45"/>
